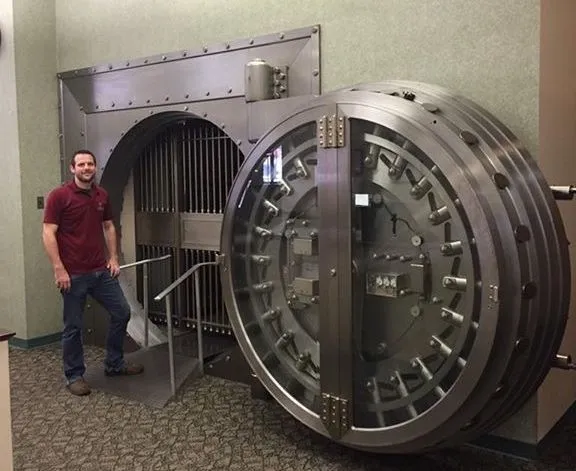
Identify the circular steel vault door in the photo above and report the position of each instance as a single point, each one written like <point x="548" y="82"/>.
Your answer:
<point x="395" y="268"/>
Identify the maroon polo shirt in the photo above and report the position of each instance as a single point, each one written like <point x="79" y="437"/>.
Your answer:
<point x="79" y="215"/>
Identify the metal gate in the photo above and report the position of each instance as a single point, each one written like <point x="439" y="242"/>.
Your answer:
<point x="181" y="182"/>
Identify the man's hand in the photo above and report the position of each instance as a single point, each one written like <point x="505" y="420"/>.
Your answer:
<point x="113" y="267"/>
<point x="62" y="279"/>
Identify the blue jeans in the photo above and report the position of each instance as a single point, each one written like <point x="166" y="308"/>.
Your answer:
<point x="106" y="290"/>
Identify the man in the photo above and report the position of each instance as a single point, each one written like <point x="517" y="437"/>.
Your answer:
<point x="80" y="239"/>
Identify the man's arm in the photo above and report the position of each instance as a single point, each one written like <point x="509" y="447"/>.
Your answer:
<point x="61" y="276"/>
<point x="110" y="237"/>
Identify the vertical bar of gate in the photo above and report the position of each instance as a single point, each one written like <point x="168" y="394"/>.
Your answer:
<point x="174" y="157"/>
<point x="146" y="303"/>
<point x="201" y="165"/>
<point x="170" y="343"/>
<point x="145" y="179"/>
<point x="199" y="321"/>
<point x="157" y="150"/>
<point x="186" y="177"/>
<point x="161" y="177"/>
<point x="226" y="178"/>
<point x="213" y="181"/>
<point x="195" y="166"/>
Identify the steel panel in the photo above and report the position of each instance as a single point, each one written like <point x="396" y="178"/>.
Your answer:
<point x="195" y="79"/>
<point x="201" y="231"/>
<point x="157" y="229"/>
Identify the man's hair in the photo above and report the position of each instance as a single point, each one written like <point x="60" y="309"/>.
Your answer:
<point x="81" y="151"/>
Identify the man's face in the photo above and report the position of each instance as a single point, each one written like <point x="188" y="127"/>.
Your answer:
<point x="84" y="168"/>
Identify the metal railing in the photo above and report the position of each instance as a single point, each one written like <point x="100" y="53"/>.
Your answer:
<point x="145" y="264"/>
<point x="166" y="294"/>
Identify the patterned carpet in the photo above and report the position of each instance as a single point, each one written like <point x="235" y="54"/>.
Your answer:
<point x="213" y="424"/>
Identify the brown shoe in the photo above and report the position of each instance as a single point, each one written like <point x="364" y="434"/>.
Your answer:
<point x="79" y="387"/>
<point x="130" y="369"/>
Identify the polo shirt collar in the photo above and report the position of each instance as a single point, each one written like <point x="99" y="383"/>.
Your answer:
<point x="72" y="185"/>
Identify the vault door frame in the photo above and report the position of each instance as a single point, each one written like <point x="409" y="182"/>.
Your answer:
<point x="115" y="109"/>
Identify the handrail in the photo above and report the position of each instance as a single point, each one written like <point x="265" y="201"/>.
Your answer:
<point x="171" y="287"/>
<point x="165" y="294"/>
<point x="145" y="286"/>
<point x="148" y="260"/>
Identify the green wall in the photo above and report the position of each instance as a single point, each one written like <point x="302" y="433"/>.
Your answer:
<point x="484" y="49"/>
<point x="30" y="156"/>
<point x="37" y="87"/>
<point x="12" y="294"/>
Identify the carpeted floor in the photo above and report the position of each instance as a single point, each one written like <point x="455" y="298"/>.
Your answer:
<point x="213" y="424"/>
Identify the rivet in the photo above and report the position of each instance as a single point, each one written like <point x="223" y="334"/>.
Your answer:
<point x="223" y="126"/>
<point x="111" y="150"/>
<point x="135" y="121"/>
<point x="229" y="90"/>
<point x="97" y="107"/>
<point x="205" y="114"/>
<point x="500" y="180"/>
<point x="81" y="133"/>
<point x="239" y="142"/>
<point x="430" y="107"/>
<point x="109" y="67"/>
<point x="205" y="49"/>
<point x="185" y="108"/>
<point x="187" y="96"/>
<point x="499" y="391"/>
<point x="281" y="35"/>
<point x="184" y="54"/>
<point x="122" y="133"/>
<point x="207" y="93"/>
<point x="251" y="41"/>
<point x="521" y="345"/>
<point x="94" y="69"/>
<point x="469" y="138"/>
<point x="130" y="103"/>
<point x="163" y="58"/>
<point x="522" y="233"/>
<point x="113" y="105"/>
<point x="227" y="46"/>
<point x="145" y="61"/>
<point x="151" y="112"/>
<point x="127" y="64"/>
<point x="167" y="98"/>
<point x="314" y="30"/>
<point x="148" y="101"/>
<point x="81" y="108"/>
<point x="315" y="72"/>
<point x="529" y="290"/>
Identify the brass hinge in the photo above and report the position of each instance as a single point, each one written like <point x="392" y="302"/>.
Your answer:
<point x="335" y="415"/>
<point x="331" y="131"/>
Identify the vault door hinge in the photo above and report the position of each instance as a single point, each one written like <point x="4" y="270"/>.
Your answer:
<point x="331" y="131"/>
<point x="335" y="415"/>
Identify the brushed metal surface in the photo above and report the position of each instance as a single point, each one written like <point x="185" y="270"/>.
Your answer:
<point x="462" y="347"/>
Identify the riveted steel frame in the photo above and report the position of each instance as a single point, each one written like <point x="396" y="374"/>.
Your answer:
<point x="116" y="109"/>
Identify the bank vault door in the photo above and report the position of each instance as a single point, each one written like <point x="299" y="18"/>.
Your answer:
<point x="181" y="181"/>
<point x="384" y="268"/>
